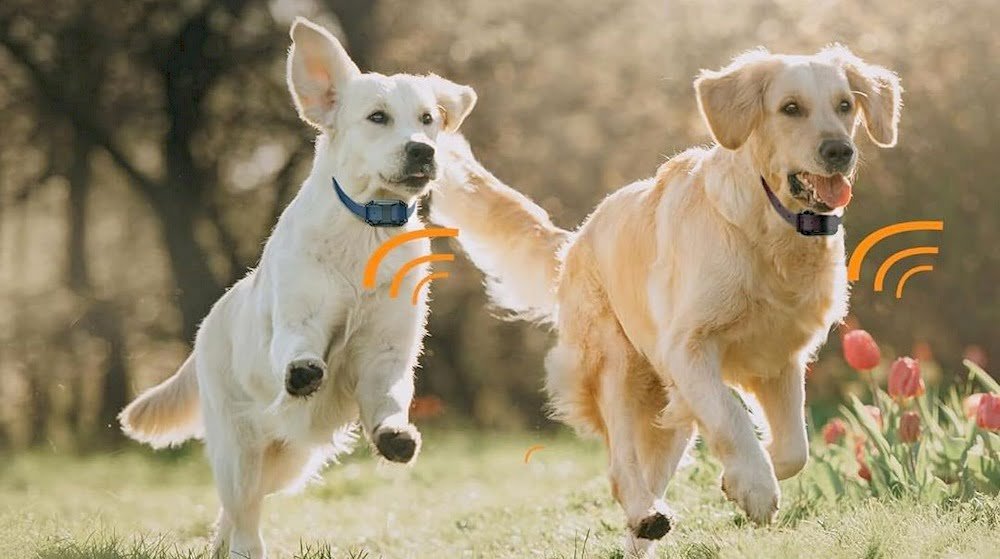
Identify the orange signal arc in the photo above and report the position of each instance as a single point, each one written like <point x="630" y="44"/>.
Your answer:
<point x="906" y="275"/>
<point x="531" y="450"/>
<point x="884" y="268"/>
<point x="866" y="244"/>
<point x="371" y="268"/>
<point x="397" y="280"/>
<point x="425" y="281"/>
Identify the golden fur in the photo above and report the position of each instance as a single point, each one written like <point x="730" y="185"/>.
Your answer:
<point x="683" y="284"/>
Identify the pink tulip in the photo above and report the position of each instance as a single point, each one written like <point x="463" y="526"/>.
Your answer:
<point x="909" y="427"/>
<point x="904" y="379"/>
<point x="834" y="431"/>
<point x="861" y="351"/>
<point x="988" y="414"/>
<point x="970" y="405"/>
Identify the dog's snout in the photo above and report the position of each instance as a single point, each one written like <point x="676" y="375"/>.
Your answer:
<point x="419" y="152"/>
<point x="837" y="154"/>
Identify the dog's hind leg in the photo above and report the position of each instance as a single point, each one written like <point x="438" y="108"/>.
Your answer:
<point x="236" y="461"/>
<point x="664" y="426"/>
<point x="288" y="467"/>
<point x="660" y="451"/>
<point x="647" y="515"/>
<point x="223" y="533"/>
<point x="592" y="376"/>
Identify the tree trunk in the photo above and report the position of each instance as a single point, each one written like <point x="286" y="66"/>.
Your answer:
<point x="103" y="319"/>
<point x="107" y="324"/>
<point x="197" y="287"/>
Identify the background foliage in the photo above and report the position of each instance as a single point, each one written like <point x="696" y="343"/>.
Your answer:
<point x="148" y="147"/>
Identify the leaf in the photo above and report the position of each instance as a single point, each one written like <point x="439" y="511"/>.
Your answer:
<point x="982" y="376"/>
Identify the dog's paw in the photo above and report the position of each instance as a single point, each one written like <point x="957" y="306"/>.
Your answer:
<point x="398" y="444"/>
<point x="653" y="527"/>
<point x="754" y="489"/>
<point x="304" y="376"/>
<point x="655" y="524"/>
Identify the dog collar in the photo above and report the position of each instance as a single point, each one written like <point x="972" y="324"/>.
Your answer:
<point x="808" y="223"/>
<point x="377" y="213"/>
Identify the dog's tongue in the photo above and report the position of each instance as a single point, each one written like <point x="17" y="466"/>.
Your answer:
<point x="834" y="191"/>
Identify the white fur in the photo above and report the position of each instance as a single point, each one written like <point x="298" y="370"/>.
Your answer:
<point x="305" y="302"/>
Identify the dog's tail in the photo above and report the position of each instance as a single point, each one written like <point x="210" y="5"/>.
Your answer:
<point x="506" y="235"/>
<point x="167" y="414"/>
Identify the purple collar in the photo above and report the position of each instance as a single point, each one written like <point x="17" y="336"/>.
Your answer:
<point x="808" y="223"/>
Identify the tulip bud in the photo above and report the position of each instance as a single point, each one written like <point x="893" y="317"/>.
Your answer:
<point x="904" y="379"/>
<point x="976" y="354"/>
<point x="875" y="414"/>
<point x="864" y="472"/>
<point x="861" y="351"/>
<point x="988" y="414"/>
<point x="834" y="431"/>
<point x="922" y="352"/>
<point x="909" y="427"/>
<point x="970" y="405"/>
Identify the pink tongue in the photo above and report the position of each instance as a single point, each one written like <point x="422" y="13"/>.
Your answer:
<point x="834" y="191"/>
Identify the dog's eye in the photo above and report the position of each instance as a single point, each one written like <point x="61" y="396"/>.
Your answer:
<point x="791" y="109"/>
<point x="845" y="106"/>
<point x="378" y="117"/>
<point x="426" y="118"/>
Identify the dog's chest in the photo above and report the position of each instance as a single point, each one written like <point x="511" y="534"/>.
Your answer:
<point x="795" y="294"/>
<point x="352" y="276"/>
<point x="364" y="261"/>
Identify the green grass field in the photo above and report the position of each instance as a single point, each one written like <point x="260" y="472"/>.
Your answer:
<point x="468" y="496"/>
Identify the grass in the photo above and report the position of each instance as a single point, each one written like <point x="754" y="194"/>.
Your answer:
<point x="469" y="496"/>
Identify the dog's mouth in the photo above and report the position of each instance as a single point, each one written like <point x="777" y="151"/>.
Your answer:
<point x="413" y="181"/>
<point x="819" y="192"/>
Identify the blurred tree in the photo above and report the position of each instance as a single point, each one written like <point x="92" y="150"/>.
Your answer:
<point x="149" y="147"/>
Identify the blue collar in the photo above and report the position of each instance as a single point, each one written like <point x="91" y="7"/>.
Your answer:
<point x="377" y="213"/>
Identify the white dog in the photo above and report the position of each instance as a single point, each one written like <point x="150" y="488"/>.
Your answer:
<point x="298" y="350"/>
<point x="691" y="280"/>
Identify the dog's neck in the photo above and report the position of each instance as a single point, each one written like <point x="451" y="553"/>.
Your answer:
<point x="331" y="161"/>
<point x="733" y="185"/>
<point x="317" y="206"/>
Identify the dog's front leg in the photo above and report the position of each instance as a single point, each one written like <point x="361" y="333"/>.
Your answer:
<point x="300" y="334"/>
<point x="694" y="365"/>
<point x="384" y="364"/>
<point x="783" y="400"/>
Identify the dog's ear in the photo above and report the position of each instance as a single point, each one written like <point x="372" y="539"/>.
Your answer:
<point x="456" y="101"/>
<point x="876" y="90"/>
<point x="731" y="100"/>
<point x="318" y="67"/>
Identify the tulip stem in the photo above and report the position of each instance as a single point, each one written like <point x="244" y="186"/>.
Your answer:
<point x="873" y="387"/>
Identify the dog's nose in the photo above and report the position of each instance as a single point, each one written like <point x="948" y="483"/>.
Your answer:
<point x="419" y="152"/>
<point x="836" y="153"/>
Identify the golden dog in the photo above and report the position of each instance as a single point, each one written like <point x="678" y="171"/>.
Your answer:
<point x="682" y="284"/>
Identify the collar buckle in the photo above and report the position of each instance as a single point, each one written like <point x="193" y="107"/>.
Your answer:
<point x="386" y="213"/>
<point x="811" y="224"/>
<point x="376" y="213"/>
